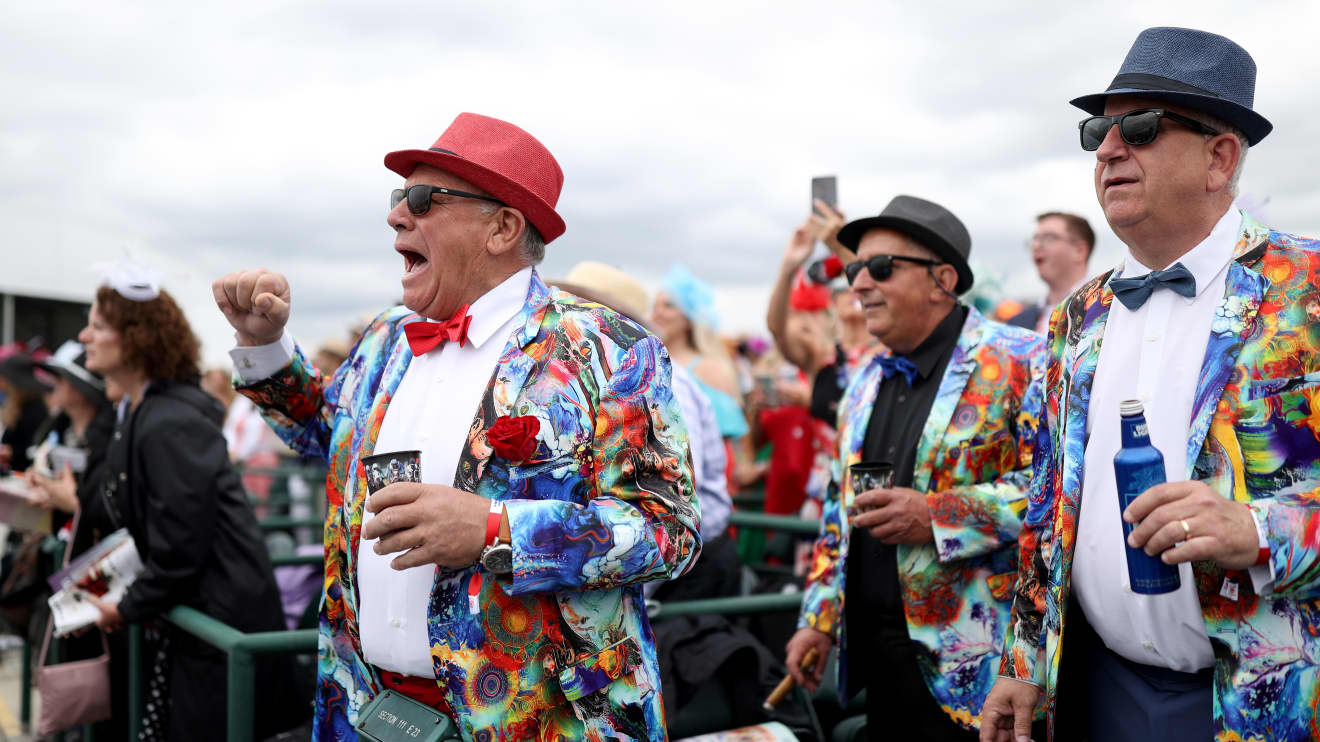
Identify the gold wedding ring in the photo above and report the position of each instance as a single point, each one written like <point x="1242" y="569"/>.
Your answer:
<point x="1187" y="530"/>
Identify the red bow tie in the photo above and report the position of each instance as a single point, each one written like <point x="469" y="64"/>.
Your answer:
<point x="424" y="336"/>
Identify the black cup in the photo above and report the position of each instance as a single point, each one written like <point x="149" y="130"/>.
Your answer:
<point x="871" y="475"/>
<point x="387" y="468"/>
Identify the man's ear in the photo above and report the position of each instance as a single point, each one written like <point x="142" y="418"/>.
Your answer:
<point x="1225" y="154"/>
<point x="506" y="231"/>
<point x="946" y="276"/>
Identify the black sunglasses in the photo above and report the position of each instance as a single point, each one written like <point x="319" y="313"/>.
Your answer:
<point x="419" y="197"/>
<point x="1136" y="127"/>
<point x="881" y="267"/>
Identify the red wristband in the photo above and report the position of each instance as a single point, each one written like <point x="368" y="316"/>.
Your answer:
<point x="1263" y="557"/>
<point x="493" y="519"/>
<point x="493" y="522"/>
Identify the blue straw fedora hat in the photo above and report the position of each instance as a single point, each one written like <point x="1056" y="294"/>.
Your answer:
<point x="1196" y="69"/>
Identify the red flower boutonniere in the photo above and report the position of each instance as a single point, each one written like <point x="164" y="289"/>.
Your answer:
<point x="514" y="438"/>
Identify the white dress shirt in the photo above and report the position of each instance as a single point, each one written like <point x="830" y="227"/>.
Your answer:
<point x="1153" y="354"/>
<point x="432" y="411"/>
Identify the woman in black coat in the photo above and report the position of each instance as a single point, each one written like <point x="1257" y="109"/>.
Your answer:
<point x="170" y="482"/>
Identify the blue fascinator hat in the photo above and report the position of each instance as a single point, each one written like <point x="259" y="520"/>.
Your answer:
<point x="693" y="296"/>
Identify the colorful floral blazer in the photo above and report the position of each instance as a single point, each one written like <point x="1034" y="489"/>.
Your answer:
<point x="562" y="650"/>
<point x="973" y="460"/>
<point x="1255" y="437"/>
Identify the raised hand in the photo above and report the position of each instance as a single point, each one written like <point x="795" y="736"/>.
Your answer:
<point x="828" y="224"/>
<point x="256" y="303"/>
<point x="800" y="245"/>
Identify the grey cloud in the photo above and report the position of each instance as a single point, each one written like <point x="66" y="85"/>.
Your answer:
<point x="216" y="137"/>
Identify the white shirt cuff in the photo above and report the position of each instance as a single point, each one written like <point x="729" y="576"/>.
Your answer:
<point x="253" y="363"/>
<point x="1032" y="683"/>
<point x="1262" y="576"/>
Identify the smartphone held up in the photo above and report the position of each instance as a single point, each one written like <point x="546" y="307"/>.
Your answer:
<point x="824" y="188"/>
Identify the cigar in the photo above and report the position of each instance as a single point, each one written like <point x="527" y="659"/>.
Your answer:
<point x="788" y="683"/>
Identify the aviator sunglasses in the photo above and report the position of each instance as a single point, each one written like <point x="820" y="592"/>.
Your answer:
<point x="1136" y="127"/>
<point x="881" y="267"/>
<point x="419" y="197"/>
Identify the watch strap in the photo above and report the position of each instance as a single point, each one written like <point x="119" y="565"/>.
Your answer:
<point x="493" y="519"/>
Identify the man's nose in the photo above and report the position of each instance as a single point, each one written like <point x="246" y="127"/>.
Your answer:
<point x="1112" y="147"/>
<point x="399" y="218"/>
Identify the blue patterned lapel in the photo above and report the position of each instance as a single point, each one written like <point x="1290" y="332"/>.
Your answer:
<point x="1080" y="361"/>
<point x="959" y="370"/>
<point x="1235" y="318"/>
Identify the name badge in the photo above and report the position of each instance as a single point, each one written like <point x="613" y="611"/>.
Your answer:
<point x="394" y="717"/>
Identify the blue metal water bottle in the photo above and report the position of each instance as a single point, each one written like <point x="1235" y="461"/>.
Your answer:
<point x="1138" y="466"/>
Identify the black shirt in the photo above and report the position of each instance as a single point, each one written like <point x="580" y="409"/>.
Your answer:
<point x="827" y="389"/>
<point x="892" y="435"/>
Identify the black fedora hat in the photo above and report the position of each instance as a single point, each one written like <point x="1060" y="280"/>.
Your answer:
<point x="926" y="222"/>
<point x="1193" y="68"/>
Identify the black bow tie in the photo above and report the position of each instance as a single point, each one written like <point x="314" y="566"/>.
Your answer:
<point x="1134" y="292"/>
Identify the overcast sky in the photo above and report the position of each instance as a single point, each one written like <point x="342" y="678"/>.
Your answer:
<point x="209" y="139"/>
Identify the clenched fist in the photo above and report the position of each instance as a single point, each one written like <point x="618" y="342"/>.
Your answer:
<point x="256" y="303"/>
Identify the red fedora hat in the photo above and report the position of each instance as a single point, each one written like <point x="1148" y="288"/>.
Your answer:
<point x="500" y="159"/>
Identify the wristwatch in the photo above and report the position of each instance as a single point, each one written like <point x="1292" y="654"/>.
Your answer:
<point x="497" y="557"/>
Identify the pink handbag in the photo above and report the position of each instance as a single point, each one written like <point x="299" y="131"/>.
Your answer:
<point x="72" y="693"/>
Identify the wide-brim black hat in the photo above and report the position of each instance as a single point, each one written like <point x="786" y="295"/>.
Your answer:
<point x="17" y="369"/>
<point x="88" y="383"/>
<point x="934" y="226"/>
<point x="1196" y="69"/>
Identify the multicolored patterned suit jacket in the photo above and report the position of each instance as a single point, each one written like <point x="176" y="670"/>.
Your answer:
<point x="1256" y="417"/>
<point x="973" y="460"/>
<point x="563" y="650"/>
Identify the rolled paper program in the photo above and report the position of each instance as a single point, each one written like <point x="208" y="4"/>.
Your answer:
<point x="786" y="685"/>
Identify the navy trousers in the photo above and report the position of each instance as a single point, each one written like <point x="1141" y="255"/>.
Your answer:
<point x="1127" y="701"/>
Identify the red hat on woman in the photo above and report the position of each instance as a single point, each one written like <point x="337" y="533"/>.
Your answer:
<point x="500" y="159"/>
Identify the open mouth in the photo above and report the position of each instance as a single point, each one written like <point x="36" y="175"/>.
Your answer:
<point x="413" y="261"/>
<point x="1118" y="181"/>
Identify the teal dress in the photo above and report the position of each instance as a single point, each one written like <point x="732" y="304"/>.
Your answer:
<point x="728" y="414"/>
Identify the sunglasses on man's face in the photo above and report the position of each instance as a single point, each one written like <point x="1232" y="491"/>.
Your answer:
<point x="419" y="197"/>
<point x="881" y="267"/>
<point x="1136" y="127"/>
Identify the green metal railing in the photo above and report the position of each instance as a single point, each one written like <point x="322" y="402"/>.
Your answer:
<point x="241" y="649"/>
<point x="290" y="560"/>
<point x="744" y="605"/>
<point x="282" y="523"/>
<point x="786" y="523"/>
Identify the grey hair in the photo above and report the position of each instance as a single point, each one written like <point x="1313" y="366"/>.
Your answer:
<point x="1222" y="126"/>
<point x="532" y="249"/>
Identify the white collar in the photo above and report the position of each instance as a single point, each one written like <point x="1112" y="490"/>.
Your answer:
<point x="498" y="306"/>
<point x="1207" y="258"/>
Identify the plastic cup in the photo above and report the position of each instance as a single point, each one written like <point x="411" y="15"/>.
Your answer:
<point x="871" y="475"/>
<point x="384" y="469"/>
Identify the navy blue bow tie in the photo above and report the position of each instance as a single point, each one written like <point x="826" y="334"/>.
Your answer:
<point x="891" y="364"/>
<point x="1134" y="292"/>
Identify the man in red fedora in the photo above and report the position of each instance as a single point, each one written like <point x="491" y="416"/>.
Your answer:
<point x="504" y="588"/>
